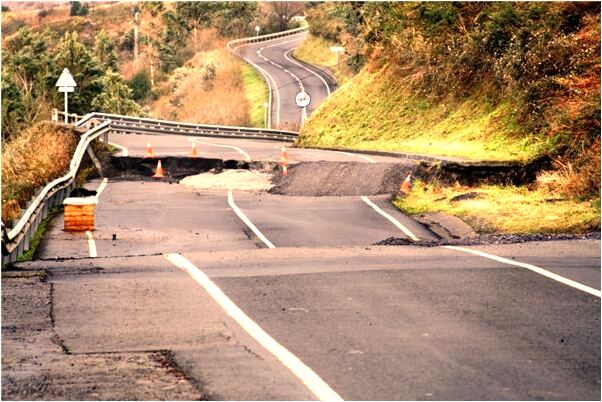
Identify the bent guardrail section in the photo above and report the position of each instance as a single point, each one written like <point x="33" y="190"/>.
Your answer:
<point x="15" y="241"/>
<point x="264" y="74"/>
<point x="141" y="125"/>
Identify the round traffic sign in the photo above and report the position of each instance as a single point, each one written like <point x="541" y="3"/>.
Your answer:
<point x="302" y="99"/>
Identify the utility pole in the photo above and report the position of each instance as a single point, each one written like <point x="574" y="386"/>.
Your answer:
<point x="136" y="39"/>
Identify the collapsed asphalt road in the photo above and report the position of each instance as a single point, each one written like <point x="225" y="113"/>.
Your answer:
<point x="372" y="323"/>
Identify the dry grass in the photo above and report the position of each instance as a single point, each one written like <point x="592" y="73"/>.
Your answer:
<point x="31" y="160"/>
<point x="188" y="100"/>
<point x="506" y="209"/>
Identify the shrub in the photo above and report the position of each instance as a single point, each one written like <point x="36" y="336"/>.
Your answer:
<point x="140" y="85"/>
<point x="31" y="159"/>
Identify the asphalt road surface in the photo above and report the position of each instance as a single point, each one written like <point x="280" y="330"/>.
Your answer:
<point x="373" y="323"/>
<point x="230" y="148"/>
<point x="288" y="77"/>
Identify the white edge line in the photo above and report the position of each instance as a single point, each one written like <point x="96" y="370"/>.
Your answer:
<point x="239" y="150"/>
<point x="530" y="267"/>
<point x="101" y="188"/>
<point x="390" y="218"/>
<point x="311" y="380"/>
<point x="247" y="221"/>
<point x="366" y="158"/>
<point x="124" y="150"/>
<point x="91" y="244"/>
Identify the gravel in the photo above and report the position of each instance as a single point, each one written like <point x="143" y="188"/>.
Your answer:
<point x="246" y="180"/>
<point x="488" y="239"/>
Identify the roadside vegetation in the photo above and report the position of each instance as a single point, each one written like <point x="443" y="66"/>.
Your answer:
<point x="256" y="93"/>
<point x="316" y="50"/>
<point x="29" y="161"/>
<point x="488" y="81"/>
<point x="506" y="209"/>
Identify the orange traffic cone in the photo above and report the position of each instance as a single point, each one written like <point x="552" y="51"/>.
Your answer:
<point x="193" y="153"/>
<point x="149" y="150"/>
<point x="159" y="172"/>
<point x="284" y="157"/>
<point x="284" y="170"/>
<point x="406" y="186"/>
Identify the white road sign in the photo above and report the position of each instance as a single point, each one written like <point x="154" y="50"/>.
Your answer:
<point x="66" y="84"/>
<point x="302" y="99"/>
<point x="66" y="79"/>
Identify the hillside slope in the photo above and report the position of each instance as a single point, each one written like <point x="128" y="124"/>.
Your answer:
<point x="502" y="81"/>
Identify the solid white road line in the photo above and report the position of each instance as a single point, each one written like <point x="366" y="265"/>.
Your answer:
<point x="307" y="69"/>
<point x="247" y="221"/>
<point x="311" y="380"/>
<point x="101" y="188"/>
<point x="243" y="153"/>
<point x="357" y="155"/>
<point x="530" y="267"/>
<point x="91" y="245"/>
<point x="390" y="218"/>
<point x="124" y="150"/>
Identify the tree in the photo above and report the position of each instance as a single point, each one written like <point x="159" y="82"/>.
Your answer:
<point x="26" y="79"/>
<point x="86" y="71"/>
<point x="282" y="12"/>
<point x="196" y="14"/>
<point x="234" y="18"/>
<point x="115" y="96"/>
<point x="104" y="50"/>
<point x="78" y="9"/>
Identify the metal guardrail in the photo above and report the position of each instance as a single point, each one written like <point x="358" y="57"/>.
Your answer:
<point x="264" y="74"/>
<point x="15" y="241"/>
<point x="140" y="125"/>
<point x="59" y="117"/>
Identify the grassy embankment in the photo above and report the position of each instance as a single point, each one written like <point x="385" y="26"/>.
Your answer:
<point x="316" y="50"/>
<point x="256" y="93"/>
<point x="374" y="111"/>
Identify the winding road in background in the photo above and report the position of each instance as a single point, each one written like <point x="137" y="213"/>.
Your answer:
<point x="258" y="296"/>
<point x="287" y="77"/>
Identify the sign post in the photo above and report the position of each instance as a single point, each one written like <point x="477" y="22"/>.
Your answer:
<point x="257" y="28"/>
<point x="337" y="50"/>
<point x="66" y="84"/>
<point x="265" y="114"/>
<point x="302" y="99"/>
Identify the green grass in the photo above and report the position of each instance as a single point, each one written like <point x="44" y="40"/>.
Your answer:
<point x="34" y="242"/>
<point x="256" y="93"/>
<point x="505" y="209"/>
<point x="375" y="111"/>
<point x="315" y="50"/>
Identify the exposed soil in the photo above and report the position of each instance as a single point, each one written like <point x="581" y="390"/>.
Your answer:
<point x="36" y="365"/>
<point x="238" y="179"/>
<point x="315" y="179"/>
